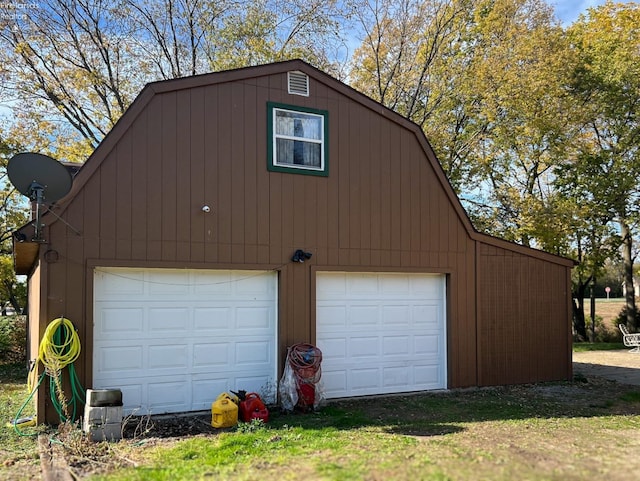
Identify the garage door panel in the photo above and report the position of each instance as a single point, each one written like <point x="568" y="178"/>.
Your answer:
<point x="203" y="332"/>
<point x="123" y="285"/>
<point x="429" y="345"/>
<point x="334" y="350"/>
<point x="364" y="379"/>
<point x="168" y="319"/>
<point x="390" y="336"/>
<point x="397" y="315"/>
<point x="362" y="284"/>
<point x="253" y="352"/>
<point x="396" y="345"/>
<point x="117" y="357"/>
<point x="428" y="375"/>
<point x="202" y="386"/>
<point x="252" y="318"/>
<point x="329" y="317"/>
<point x="395" y="285"/>
<point x="424" y="314"/>
<point x="362" y="347"/>
<point x="172" y="285"/>
<point x="212" y="318"/>
<point x="363" y="315"/>
<point x="218" y="284"/>
<point x="425" y="288"/>
<point x="396" y="377"/>
<point x="251" y="286"/>
<point x="211" y="355"/>
<point x="171" y="356"/>
<point x="123" y="321"/>
<point x="334" y="382"/>
<point x="168" y="395"/>
<point x="251" y="383"/>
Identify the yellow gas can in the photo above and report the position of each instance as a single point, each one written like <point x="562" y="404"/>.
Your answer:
<point x="224" y="411"/>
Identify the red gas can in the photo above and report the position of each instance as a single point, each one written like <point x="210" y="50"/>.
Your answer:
<point x="253" y="408"/>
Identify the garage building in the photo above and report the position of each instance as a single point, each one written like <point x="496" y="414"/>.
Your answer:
<point x="179" y="253"/>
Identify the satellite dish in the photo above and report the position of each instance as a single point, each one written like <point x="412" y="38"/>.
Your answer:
<point x="43" y="179"/>
<point x="31" y="172"/>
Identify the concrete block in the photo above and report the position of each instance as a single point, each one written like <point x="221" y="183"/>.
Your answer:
<point x="104" y="432"/>
<point x="104" y="397"/>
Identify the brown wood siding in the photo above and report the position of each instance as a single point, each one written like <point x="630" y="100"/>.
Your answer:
<point x="34" y="333"/>
<point x="524" y="325"/>
<point x="383" y="207"/>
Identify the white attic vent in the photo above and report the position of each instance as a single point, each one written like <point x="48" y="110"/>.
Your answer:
<point x="298" y="83"/>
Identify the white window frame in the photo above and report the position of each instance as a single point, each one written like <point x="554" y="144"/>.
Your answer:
<point x="273" y="164"/>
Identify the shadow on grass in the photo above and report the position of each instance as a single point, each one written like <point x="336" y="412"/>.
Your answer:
<point x="436" y="414"/>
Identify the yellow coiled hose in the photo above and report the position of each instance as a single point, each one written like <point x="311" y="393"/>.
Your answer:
<point x="56" y="353"/>
<point x="59" y="348"/>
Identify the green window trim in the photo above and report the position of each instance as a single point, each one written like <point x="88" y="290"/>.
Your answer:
<point x="297" y="142"/>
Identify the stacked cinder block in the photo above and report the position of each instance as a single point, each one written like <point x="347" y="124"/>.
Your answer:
<point x="103" y="415"/>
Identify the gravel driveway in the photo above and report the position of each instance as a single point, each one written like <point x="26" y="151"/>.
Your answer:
<point x="621" y="366"/>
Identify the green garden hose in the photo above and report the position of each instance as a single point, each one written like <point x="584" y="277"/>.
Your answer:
<point x="59" y="348"/>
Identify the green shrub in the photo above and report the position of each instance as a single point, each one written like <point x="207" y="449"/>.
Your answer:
<point x="13" y="339"/>
<point x="604" y="332"/>
<point x="622" y="317"/>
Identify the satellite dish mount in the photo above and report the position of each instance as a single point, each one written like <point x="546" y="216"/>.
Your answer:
<point x="42" y="179"/>
<point x="37" y="195"/>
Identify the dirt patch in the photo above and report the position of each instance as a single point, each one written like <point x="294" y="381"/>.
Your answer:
<point x="513" y="434"/>
<point x="174" y="426"/>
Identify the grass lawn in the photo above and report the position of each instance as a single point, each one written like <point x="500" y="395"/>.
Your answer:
<point x="597" y="346"/>
<point x="18" y="454"/>
<point x="550" y="431"/>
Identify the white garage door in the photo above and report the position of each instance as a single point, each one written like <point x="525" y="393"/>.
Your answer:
<point x="173" y="340"/>
<point x="381" y="332"/>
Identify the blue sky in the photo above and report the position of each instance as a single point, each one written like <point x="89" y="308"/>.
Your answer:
<point x="568" y="10"/>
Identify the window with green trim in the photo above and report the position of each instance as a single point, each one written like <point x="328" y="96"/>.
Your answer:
<point x="297" y="139"/>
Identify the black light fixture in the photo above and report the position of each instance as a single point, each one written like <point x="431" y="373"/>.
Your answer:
<point x="300" y="256"/>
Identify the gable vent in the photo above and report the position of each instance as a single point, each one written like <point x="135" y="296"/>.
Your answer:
<point x="298" y="83"/>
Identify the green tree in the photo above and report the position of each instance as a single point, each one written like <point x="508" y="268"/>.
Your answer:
<point x="72" y="67"/>
<point x="414" y="58"/>
<point x="606" y="83"/>
<point x="590" y="235"/>
<point x="13" y="213"/>
<point x="69" y="73"/>
<point x="519" y="67"/>
<point x="486" y="80"/>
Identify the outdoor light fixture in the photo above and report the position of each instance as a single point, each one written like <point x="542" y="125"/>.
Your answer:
<point x="300" y="256"/>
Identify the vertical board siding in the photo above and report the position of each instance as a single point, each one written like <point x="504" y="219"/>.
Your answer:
<point x="221" y="158"/>
<point x="184" y="177"/>
<point x="107" y="206"/>
<point x="153" y="200"/>
<point x="169" y="169"/>
<point x="523" y="322"/>
<point x="139" y="178"/>
<point x="124" y="197"/>
<point x="382" y="206"/>
<point x="196" y="192"/>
